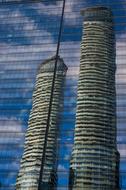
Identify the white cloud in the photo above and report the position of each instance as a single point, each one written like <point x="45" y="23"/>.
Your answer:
<point x="70" y="16"/>
<point x="120" y="51"/>
<point x="10" y="124"/>
<point x="61" y="167"/>
<point x="122" y="151"/>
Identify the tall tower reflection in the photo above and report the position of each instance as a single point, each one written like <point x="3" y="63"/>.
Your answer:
<point x="28" y="177"/>
<point x="95" y="160"/>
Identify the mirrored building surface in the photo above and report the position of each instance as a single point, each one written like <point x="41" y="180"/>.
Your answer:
<point x="28" y="36"/>
<point x="31" y="162"/>
<point x="94" y="155"/>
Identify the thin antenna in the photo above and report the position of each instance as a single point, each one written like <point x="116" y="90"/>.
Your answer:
<point x="51" y="99"/>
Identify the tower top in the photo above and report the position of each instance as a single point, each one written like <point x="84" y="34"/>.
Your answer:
<point x="49" y="64"/>
<point x="98" y="13"/>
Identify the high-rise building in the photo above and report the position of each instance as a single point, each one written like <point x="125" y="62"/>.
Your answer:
<point x="28" y="35"/>
<point x="29" y="173"/>
<point x="94" y="157"/>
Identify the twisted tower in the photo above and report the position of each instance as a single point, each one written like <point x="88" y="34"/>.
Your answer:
<point x="94" y="162"/>
<point x="28" y="177"/>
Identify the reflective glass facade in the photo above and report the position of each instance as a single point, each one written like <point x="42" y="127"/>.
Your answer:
<point x="39" y="161"/>
<point x="94" y="156"/>
<point x="28" y="36"/>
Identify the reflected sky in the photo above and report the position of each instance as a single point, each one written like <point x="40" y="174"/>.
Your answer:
<point x="28" y="36"/>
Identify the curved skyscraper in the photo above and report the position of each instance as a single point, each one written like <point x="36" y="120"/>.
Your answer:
<point x="94" y="163"/>
<point x="28" y="177"/>
<point x="29" y="32"/>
